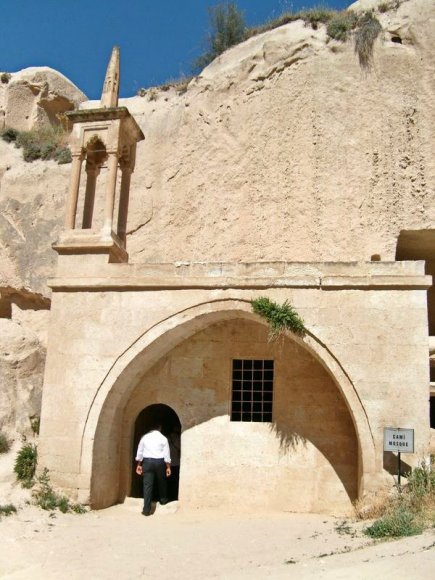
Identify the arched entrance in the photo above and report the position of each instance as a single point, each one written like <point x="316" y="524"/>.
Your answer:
<point x="148" y="418"/>
<point x="116" y="406"/>
<point x="303" y="455"/>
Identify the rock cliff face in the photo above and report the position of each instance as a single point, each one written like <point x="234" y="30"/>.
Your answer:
<point x="31" y="98"/>
<point x="22" y="358"/>
<point x="282" y="149"/>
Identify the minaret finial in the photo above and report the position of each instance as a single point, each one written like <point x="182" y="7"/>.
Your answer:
<point x="110" y="94"/>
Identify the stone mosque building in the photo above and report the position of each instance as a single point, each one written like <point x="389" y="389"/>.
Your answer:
<point x="303" y="185"/>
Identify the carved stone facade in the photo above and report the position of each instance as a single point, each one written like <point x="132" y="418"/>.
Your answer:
<point x="127" y="336"/>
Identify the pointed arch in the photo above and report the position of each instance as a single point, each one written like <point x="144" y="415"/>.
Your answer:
<point x="156" y="342"/>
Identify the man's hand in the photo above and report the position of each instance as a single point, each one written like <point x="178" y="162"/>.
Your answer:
<point x="168" y="471"/>
<point x="139" y="469"/>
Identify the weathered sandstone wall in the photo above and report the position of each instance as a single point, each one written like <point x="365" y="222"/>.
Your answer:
<point x="284" y="148"/>
<point x="373" y="328"/>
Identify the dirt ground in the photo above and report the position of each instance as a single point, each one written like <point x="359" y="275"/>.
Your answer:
<point x="120" y="543"/>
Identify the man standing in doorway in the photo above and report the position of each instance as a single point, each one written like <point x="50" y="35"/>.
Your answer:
<point x="153" y="462"/>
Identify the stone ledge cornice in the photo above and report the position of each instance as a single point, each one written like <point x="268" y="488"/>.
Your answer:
<point x="253" y="275"/>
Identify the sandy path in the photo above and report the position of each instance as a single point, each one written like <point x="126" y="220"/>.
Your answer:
<point x="120" y="543"/>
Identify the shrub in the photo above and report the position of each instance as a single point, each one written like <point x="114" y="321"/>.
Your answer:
<point x="25" y="464"/>
<point x="280" y="317"/>
<point x="340" y="26"/>
<point x="63" y="156"/>
<point x="7" y="510"/>
<point x="421" y="490"/>
<point x="43" y="494"/>
<point x="5" y="444"/>
<point x="31" y="152"/>
<point x="384" y="7"/>
<point x="47" y="499"/>
<point x="5" y="77"/>
<point x="9" y="135"/>
<point x="367" y="31"/>
<point x="314" y="16"/>
<point x="227" y="28"/>
<point x="152" y="94"/>
<point x="408" y="511"/>
<point x="317" y="15"/>
<point x="47" y="150"/>
<point x="41" y="144"/>
<point x="399" y="522"/>
<point x="77" y="508"/>
<point x="282" y="20"/>
<point x="180" y="85"/>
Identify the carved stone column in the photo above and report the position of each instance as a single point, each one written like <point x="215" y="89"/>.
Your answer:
<point x="127" y="170"/>
<point x="112" y="164"/>
<point x="92" y="172"/>
<point x="76" y="168"/>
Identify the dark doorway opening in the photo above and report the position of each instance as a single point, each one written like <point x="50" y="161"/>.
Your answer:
<point x="147" y="419"/>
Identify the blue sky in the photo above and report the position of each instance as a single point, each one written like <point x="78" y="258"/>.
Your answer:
<point x="159" y="39"/>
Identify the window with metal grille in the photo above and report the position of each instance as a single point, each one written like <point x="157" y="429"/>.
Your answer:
<point x="252" y="394"/>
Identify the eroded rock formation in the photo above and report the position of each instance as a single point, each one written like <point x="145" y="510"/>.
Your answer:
<point x="22" y="357"/>
<point x="32" y="98"/>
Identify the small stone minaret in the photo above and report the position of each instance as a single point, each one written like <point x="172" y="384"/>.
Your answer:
<point x="103" y="140"/>
<point x="110" y="94"/>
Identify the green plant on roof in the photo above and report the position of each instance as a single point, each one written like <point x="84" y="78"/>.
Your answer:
<point x="280" y="317"/>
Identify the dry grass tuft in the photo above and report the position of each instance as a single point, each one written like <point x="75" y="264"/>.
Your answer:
<point x="373" y="505"/>
<point x="367" y="31"/>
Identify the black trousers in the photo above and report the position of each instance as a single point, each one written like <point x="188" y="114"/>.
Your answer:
<point x="154" y="469"/>
<point x="173" y="483"/>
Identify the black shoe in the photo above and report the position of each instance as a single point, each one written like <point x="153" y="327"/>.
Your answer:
<point x="145" y="514"/>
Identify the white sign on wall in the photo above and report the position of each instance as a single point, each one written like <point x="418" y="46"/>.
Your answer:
<point x="401" y="440"/>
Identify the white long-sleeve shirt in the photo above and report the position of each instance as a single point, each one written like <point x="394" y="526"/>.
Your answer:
<point x="153" y="445"/>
